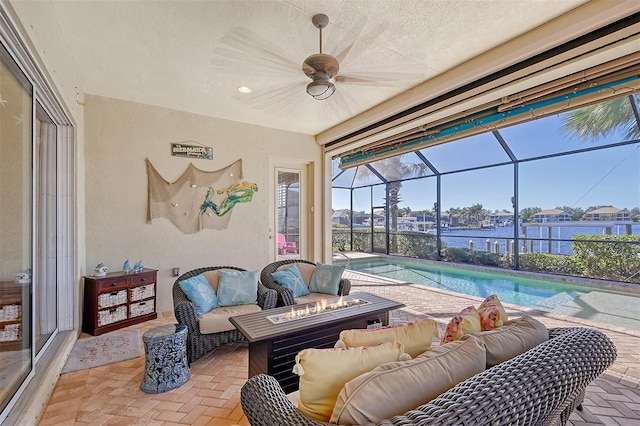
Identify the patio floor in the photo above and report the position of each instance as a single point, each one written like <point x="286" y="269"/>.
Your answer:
<point x="111" y="395"/>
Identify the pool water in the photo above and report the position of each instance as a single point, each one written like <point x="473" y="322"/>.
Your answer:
<point x="597" y="304"/>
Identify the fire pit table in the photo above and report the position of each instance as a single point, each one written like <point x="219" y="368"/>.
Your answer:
<point x="277" y="335"/>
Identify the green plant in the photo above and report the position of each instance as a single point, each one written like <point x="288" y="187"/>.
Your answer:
<point x="550" y="263"/>
<point x="618" y="260"/>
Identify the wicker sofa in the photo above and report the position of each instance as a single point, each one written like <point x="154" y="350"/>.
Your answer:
<point x="199" y="344"/>
<point x="285" y="295"/>
<point x="539" y="387"/>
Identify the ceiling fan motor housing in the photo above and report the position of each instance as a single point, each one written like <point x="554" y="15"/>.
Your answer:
<point x="320" y="63"/>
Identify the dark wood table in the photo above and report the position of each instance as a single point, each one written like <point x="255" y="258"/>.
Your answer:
<point x="273" y="347"/>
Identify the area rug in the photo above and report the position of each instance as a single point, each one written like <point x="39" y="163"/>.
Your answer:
<point x="102" y="350"/>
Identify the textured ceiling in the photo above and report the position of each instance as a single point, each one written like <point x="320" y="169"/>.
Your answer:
<point x="193" y="55"/>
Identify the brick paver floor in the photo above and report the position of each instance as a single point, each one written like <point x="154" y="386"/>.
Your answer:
<point x="111" y="395"/>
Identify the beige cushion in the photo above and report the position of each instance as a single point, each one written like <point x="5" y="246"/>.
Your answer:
<point x="512" y="339"/>
<point x="214" y="278"/>
<point x="305" y="269"/>
<point x="416" y="337"/>
<point x="294" y="397"/>
<point x="323" y="373"/>
<point x="396" y="387"/>
<point x="217" y="320"/>
<point x="311" y="298"/>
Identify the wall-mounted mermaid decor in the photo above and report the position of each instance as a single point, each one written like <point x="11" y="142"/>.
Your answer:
<point x="198" y="199"/>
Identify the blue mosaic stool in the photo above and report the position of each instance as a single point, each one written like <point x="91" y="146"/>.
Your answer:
<point x="166" y="365"/>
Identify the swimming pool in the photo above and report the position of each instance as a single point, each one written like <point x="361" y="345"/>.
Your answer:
<point x="619" y="308"/>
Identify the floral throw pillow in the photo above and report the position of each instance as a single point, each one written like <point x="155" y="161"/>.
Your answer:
<point x="466" y="322"/>
<point x="492" y="314"/>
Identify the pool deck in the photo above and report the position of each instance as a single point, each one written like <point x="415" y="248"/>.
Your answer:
<point x="612" y="399"/>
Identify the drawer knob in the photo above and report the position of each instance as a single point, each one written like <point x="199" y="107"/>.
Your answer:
<point x="114" y="284"/>
<point x="141" y="279"/>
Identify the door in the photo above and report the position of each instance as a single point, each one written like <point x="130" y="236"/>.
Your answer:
<point x="288" y="214"/>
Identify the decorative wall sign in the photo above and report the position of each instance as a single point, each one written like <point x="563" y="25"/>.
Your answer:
<point x="191" y="151"/>
<point x="198" y="199"/>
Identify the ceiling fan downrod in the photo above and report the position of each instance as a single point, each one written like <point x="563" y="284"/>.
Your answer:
<point x="320" y="68"/>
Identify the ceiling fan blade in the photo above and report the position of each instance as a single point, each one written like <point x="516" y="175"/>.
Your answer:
<point x="389" y="79"/>
<point x="242" y="45"/>
<point x="349" y="53"/>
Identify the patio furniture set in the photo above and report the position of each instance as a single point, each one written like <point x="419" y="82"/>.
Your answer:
<point x="540" y="386"/>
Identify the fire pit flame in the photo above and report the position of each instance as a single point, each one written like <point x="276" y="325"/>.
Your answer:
<point x="321" y="306"/>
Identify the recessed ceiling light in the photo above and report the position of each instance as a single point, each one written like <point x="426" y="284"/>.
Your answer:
<point x="244" y="89"/>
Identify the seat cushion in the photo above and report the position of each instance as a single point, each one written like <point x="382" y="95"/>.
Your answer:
<point x="416" y="337"/>
<point x="323" y="373"/>
<point x="217" y="320"/>
<point x="396" y="387"/>
<point x="513" y="338"/>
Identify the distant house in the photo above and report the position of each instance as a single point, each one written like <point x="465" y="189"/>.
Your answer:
<point x="551" y="215"/>
<point x="341" y="216"/>
<point x="501" y="218"/>
<point x="607" y="214"/>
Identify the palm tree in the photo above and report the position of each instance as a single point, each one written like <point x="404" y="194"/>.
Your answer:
<point x="597" y="120"/>
<point x="394" y="170"/>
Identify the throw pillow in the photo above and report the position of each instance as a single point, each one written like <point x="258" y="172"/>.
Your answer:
<point x="326" y="279"/>
<point x="323" y="373"/>
<point x="397" y="387"/>
<point x="238" y="288"/>
<point x="512" y="339"/>
<point x="292" y="278"/>
<point x="200" y="293"/>
<point x="467" y="321"/>
<point x="492" y="314"/>
<point x="415" y="337"/>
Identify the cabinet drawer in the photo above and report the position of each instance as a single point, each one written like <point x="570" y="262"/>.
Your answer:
<point x="10" y="333"/>
<point x="106" y="300"/>
<point x="142" y="279"/>
<point x="142" y="292"/>
<point x="106" y="286"/>
<point x="109" y="316"/>
<point x="142" y="308"/>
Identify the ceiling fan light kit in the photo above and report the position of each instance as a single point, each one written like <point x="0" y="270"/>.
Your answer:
<point x="320" y="67"/>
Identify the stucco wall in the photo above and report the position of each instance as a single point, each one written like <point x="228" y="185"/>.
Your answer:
<point x="119" y="135"/>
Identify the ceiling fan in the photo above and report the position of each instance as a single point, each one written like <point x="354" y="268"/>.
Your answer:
<point x="320" y="67"/>
<point x="241" y="47"/>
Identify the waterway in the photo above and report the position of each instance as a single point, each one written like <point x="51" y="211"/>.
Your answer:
<point x="461" y="238"/>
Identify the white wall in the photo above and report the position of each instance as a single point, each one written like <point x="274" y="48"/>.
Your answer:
<point x="119" y="135"/>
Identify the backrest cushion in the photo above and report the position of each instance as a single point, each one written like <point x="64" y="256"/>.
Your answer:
<point x="467" y="321"/>
<point x="416" y="337"/>
<point x="201" y="294"/>
<point x="306" y="269"/>
<point x="214" y="278"/>
<point x="323" y="373"/>
<point x="512" y="339"/>
<point x="238" y="287"/>
<point x="397" y="387"/>
<point x="292" y="278"/>
<point x="326" y="278"/>
<point x="492" y="313"/>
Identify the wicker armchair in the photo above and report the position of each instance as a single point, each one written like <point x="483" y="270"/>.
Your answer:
<point x="199" y="344"/>
<point x="539" y="387"/>
<point x="285" y="295"/>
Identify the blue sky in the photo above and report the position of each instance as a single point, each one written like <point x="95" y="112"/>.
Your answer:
<point x="600" y="177"/>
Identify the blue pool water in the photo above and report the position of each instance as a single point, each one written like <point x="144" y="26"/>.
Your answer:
<point x="611" y="307"/>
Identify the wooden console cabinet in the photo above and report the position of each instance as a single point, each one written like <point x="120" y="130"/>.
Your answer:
<point x="14" y="315"/>
<point x="118" y="300"/>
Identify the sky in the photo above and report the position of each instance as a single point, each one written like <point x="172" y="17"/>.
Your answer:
<point x="599" y="177"/>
